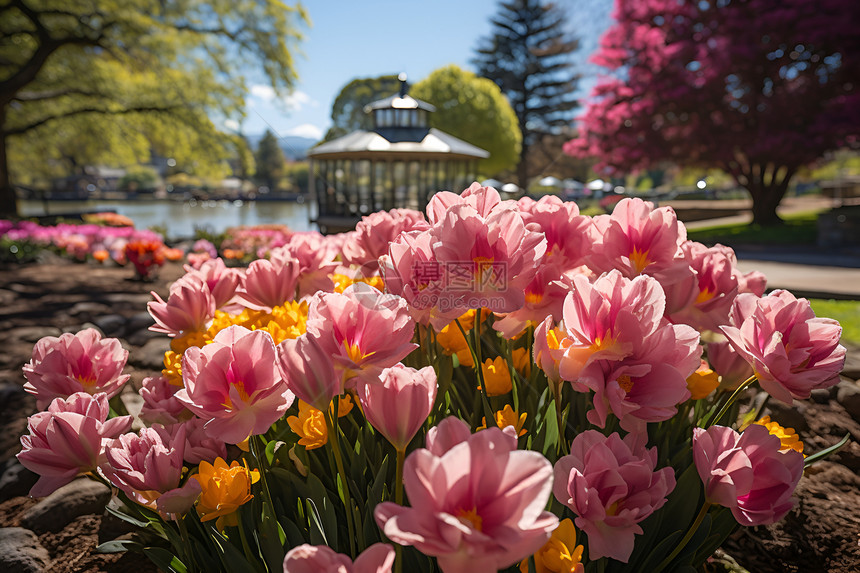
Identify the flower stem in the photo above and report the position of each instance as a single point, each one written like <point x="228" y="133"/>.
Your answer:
<point x="398" y="499"/>
<point x="474" y="344"/>
<point x="744" y="385"/>
<point x="334" y="440"/>
<point x="699" y="518"/>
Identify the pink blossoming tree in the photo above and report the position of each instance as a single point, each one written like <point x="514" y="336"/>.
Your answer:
<point x="758" y="88"/>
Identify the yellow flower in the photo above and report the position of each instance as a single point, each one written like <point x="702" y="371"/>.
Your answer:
<point x="173" y="368"/>
<point x="522" y="361"/>
<point x="194" y="338"/>
<point x="702" y="382"/>
<point x="508" y="417"/>
<point x="497" y="377"/>
<point x="452" y="341"/>
<point x="342" y="281"/>
<point x="788" y="438"/>
<point x="285" y="321"/>
<point x="560" y="554"/>
<point x="310" y="426"/>
<point x="344" y="405"/>
<point x="224" y="489"/>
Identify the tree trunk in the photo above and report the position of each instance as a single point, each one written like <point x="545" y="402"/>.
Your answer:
<point x="767" y="191"/>
<point x="8" y="200"/>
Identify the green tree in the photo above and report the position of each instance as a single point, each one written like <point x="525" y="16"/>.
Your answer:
<point x="87" y="80"/>
<point x="270" y="161"/>
<point x="474" y="110"/>
<point x="347" y="112"/>
<point x="528" y="55"/>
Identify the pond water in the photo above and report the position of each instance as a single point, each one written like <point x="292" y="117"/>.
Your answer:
<point x="182" y="219"/>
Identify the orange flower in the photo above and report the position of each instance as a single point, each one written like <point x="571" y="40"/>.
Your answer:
<point x="224" y="489"/>
<point x="702" y="382"/>
<point x="101" y="255"/>
<point x="788" y="438"/>
<point x="497" y="377"/>
<point x="522" y="361"/>
<point x="560" y="554"/>
<point x="310" y="426"/>
<point x="172" y="370"/>
<point x="508" y="417"/>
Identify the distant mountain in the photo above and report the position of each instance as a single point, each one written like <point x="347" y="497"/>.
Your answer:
<point x="294" y="147"/>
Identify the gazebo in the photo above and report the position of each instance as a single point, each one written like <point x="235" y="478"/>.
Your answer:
<point x="400" y="163"/>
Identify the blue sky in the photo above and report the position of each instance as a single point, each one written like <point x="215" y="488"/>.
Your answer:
<point x="368" y="38"/>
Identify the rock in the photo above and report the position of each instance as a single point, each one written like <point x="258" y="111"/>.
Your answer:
<point x="820" y="395"/>
<point x="788" y="416"/>
<point x="81" y="497"/>
<point x="21" y="552"/>
<point x="111" y="324"/>
<point x="74" y="329"/>
<point x="134" y="299"/>
<point x="34" y="333"/>
<point x="139" y="321"/>
<point x="93" y="309"/>
<point x="133" y="403"/>
<point x="151" y="354"/>
<point x="852" y="364"/>
<point x="141" y="337"/>
<point x="16" y="480"/>
<point x="848" y="394"/>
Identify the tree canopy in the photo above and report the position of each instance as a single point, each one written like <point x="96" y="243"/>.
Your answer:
<point x="758" y="88"/>
<point x="474" y="110"/>
<point x="528" y="55"/>
<point x="270" y="161"/>
<point x="347" y="112"/>
<point x="85" y="80"/>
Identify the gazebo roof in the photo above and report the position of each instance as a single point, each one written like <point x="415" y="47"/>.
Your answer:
<point x="399" y="101"/>
<point x="417" y="140"/>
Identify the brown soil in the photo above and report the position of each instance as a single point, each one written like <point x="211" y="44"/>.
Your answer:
<point x="821" y="534"/>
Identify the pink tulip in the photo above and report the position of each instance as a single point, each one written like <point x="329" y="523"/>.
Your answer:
<point x="399" y="404"/>
<point x="316" y="256"/>
<point x="411" y="271"/>
<point x="476" y="507"/>
<point x="487" y="261"/>
<point x="362" y="330"/>
<point x="235" y="384"/>
<point x="375" y="232"/>
<point x="715" y="287"/>
<point x="446" y="434"/>
<point x="731" y="366"/>
<point x="619" y="345"/>
<point x="190" y="307"/>
<point x="747" y="472"/>
<point x="176" y="502"/>
<point x="611" y="485"/>
<point x="146" y="464"/>
<point x="308" y="369"/>
<point x="544" y="297"/>
<point x="378" y="558"/>
<point x="222" y="281"/>
<point x="484" y="200"/>
<point x="68" y="440"/>
<point x="269" y="283"/>
<point x="82" y="362"/>
<point x="568" y="234"/>
<point x="639" y="239"/>
<point x="791" y="351"/>
<point x="160" y="405"/>
<point x="199" y="446"/>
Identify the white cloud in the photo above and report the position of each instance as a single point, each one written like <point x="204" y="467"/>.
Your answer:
<point x="263" y="92"/>
<point x="294" y="101"/>
<point x="231" y="124"/>
<point x="306" y="130"/>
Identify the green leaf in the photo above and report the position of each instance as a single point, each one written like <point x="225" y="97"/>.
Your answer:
<point x="824" y="453"/>
<point x="119" y="546"/>
<point x="127" y="518"/>
<point x="165" y="560"/>
<point x="317" y="531"/>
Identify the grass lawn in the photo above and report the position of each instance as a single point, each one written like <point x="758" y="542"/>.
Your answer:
<point x="799" y="229"/>
<point x="847" y="312"/>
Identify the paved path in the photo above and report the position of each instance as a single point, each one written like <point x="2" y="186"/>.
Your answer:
<point x="810" y="271"/>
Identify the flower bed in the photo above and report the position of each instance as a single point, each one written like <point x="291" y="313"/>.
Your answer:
<point x="588" y="359"/>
